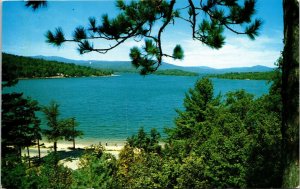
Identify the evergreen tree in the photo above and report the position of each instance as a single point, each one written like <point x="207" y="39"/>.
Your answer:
<point x="9" y="74"/>
<point x="97" y="170"/>
<point x="227" y="141"/>
<point x="195" y="103"/>
<point x="54" y="133"/>
<point x="146" y="142"/>
<point x="59" y="128"/>
<point x="69" y="131"/>
<point x="20" y="126"/>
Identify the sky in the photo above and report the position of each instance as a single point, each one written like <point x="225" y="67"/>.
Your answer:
<point x="23" y="33"/>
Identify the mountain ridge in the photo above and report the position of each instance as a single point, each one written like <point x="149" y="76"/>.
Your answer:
<point x="126" y="66"/>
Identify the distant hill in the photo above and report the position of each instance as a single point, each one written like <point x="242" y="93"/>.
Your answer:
<point x="245" y="75"/>
<point x="26" y="67"/>
<point x="175" y="72"/>
<point x="125" y="66"/>
<point x="208" y="70"/>
<point x="112" y="65"/>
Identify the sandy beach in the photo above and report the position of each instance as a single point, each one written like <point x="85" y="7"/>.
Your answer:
<point x="113" y="147"/>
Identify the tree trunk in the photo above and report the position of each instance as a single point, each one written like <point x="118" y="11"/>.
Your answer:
<point x="290" y="94"/>
<point x="73" y="134"/>
<point x="55" y="147"/>
<point x="74" y="143"/>
<point x="19" y="149"/>
<point x="28" y="155"/>
<point x="39" y="149"/>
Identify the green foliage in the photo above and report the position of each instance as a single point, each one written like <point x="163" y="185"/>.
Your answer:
<point x="79" y="33"/>
<point x="96" y="171"/>
<point x="49" y="175"/>
<point x="144" y="60"/>
<point x="24" y="67"/>
<point x="146" y="142"/>
<point x="291" y="175"/>
<point x="245" y="75"/>
<point x="57" y="38"/>
<point x="59" y="129"/>
<point x="178" y="52"/>
<point x="175" y="72"/>
<point x="238" y="103"/>
<point x="195" y="104"/>
<point x="9" y="74"/>
<point x="55" y="131"/>
<point x="263" y="125"/>
<point x="192" y="174"/>
<point x="126" y="159"/>
<point x="234" y="143"/>
<point x="70" y="133"/>
<point x="84" y="46"/>
<point x="137" y="169"/>
<point x="19" y="124"/>
<point x="213" y="33"/>
<point x="13" y="172"/>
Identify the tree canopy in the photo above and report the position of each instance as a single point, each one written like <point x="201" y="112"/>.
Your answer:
<point x="59" y="129"/>
<point x="19" y="124"/>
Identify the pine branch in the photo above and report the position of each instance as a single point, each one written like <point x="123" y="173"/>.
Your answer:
<point x="168" y="19"/>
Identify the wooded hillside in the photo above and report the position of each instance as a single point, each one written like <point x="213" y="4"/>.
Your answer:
<point x="26" y="67"/>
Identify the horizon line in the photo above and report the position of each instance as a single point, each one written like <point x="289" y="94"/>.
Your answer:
<point x="33" y="56"/>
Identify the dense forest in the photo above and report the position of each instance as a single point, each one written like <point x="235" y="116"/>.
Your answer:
<point x="245" y="75"/>
<point x="175" y="72"/>
<point x="26" y="67"/>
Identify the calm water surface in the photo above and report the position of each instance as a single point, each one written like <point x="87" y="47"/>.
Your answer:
<point x="113" y="108"/>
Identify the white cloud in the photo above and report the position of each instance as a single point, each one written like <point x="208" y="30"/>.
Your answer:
<point x="237" y="52"/>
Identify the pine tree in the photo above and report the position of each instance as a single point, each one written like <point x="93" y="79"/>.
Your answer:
<point x="54" y="133"/>
<point x="195" y="103"/>
<point x="69" y="131"/>
<point x="20" y="125"/>
<point x="59" y="128"/>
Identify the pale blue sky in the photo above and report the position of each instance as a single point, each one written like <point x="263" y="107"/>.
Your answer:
<point x="23" y="34"/>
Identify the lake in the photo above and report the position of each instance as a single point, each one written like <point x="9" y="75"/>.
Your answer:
<point x="113" y="108"/>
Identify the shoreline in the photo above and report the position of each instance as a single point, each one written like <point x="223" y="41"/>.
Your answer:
<point x="112" y="147"/>
<point x="64" y="77"/>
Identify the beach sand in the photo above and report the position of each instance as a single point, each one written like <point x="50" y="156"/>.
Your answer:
<point x="113" y="147"/>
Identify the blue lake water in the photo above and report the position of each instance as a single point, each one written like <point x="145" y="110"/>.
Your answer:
<point x="113" y="108"/>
